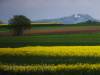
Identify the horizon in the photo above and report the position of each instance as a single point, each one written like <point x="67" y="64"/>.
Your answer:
<point x="76" y="15"/>
<point x="57" y="17"/>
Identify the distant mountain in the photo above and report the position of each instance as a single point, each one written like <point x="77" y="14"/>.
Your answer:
<point x="73" y="19"/>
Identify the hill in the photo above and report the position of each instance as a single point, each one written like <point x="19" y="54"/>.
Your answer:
<point x="73" y="19"/>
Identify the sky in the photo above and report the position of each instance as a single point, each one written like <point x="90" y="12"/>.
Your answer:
<point x="46" y="9"/>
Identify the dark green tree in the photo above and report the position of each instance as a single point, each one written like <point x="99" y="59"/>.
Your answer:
<point x="19" y="23"/>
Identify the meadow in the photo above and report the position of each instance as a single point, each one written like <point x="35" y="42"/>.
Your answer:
<point x="54" y="60"/>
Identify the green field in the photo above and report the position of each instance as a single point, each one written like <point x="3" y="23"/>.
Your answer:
<point x="51" y="40"/>
<point x="5" y="27"/>
<point x="63" y="39"/>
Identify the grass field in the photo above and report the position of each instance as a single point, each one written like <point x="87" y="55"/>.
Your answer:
<point x="54" y="60"/>
<point x="5" y="27"/>
<point x="51" y="40"/>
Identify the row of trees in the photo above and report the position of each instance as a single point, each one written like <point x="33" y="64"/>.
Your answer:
<point x="19" y="23"/>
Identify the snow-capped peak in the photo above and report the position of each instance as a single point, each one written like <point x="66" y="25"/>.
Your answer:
<point x="77" y="16"/>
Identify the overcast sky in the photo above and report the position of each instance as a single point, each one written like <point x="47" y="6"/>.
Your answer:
<point x="42" y="9"/>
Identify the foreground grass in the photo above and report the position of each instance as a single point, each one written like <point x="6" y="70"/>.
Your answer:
<point x="50" y="60"/>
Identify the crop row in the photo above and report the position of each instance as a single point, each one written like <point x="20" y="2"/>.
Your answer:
<point x="76" y="69"/>
<point x="51" y="55"/>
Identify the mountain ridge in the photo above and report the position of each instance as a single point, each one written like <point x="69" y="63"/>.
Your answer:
<point x="73" y="19"/>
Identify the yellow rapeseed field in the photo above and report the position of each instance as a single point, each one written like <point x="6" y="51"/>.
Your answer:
<point x="54" y="51"/>
<point x="60" y="60"/>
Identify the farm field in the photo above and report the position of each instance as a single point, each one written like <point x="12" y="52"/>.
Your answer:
<point x="50" y="27"/>
<point x="51" y="40"/>
<point x="53" y="35"/>
<point x="51" y="50"/>
<point x="54" y="60"/>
